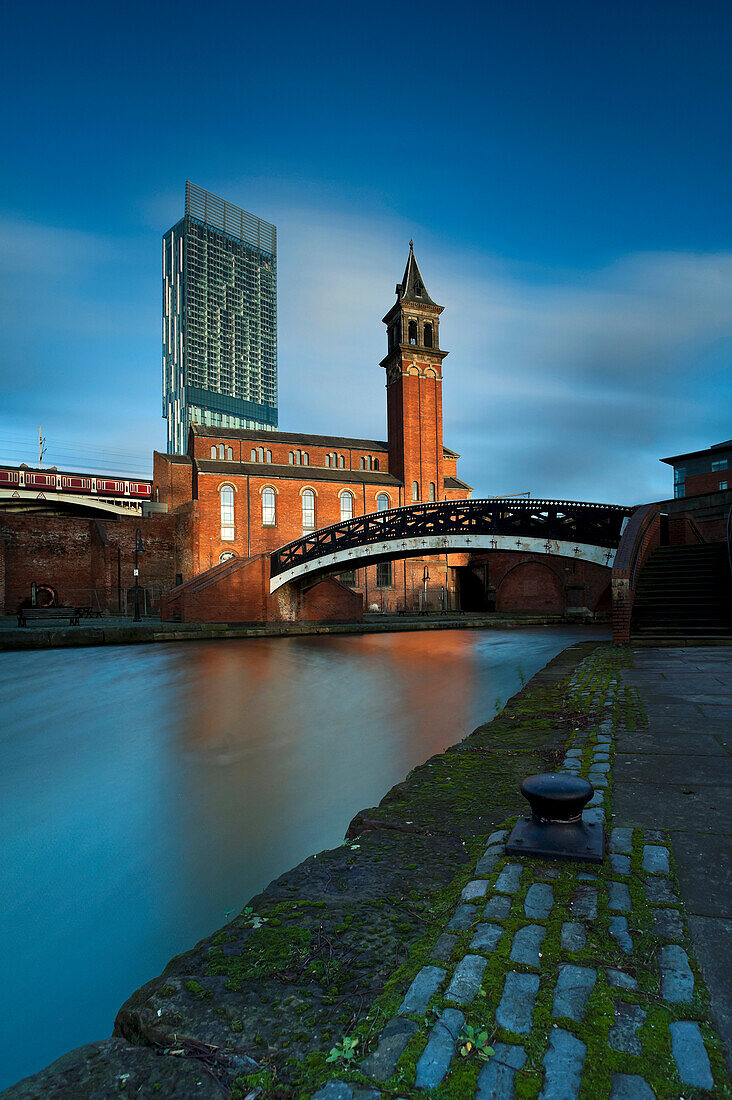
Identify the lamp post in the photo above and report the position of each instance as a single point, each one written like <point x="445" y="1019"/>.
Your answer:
<point x="425" y="578"/>
<point x="139" y="549"/>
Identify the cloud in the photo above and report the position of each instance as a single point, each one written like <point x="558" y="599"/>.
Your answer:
<point x="76" y="315"/>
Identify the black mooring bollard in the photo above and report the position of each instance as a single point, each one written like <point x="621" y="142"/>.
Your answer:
<point x="555" y="829"/>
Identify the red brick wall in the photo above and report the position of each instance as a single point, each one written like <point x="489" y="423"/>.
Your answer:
<point x="242" y="449"/>
<point x="327" y="601"/>
<point x="414" y="405"/>
<point x="77" y="556"/>
<point x="238" y="591"/>
<point x="531" y="586"/>
<point x="706" y="483"/>
<point x="449" y="466"/>
<point x="539" y="582"/>
<point x="172" y="481"/>
<point x="251" y="536"/>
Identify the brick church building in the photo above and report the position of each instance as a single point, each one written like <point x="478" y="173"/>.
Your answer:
<point x="242" y="492"/>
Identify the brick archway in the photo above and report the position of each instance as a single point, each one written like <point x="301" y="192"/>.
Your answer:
<point x="531" y="585"/>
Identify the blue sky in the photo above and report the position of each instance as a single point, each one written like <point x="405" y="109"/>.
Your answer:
<point x="564" y="170"/>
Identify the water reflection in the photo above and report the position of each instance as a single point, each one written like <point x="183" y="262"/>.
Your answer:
<point x="146" y="791"/>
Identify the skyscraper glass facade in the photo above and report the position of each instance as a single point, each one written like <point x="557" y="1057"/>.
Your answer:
<point x="219" y="319"/>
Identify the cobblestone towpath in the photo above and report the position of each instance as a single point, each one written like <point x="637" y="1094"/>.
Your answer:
<point x="547" y="979"/>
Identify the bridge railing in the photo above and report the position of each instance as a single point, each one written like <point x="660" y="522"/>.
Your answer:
<point x="552" y="520"/>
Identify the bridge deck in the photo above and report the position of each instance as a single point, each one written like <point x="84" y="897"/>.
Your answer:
<point x="577" y="529"/>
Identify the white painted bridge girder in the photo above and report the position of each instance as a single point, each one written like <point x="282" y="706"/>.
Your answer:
<point x="50" y="496"/>
<point x="360" y="555"/>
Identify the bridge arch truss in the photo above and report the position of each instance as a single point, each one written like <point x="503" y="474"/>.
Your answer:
<point x="563" y="528"/>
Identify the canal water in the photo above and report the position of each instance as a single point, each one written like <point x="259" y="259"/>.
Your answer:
<point x="147" y="792"/>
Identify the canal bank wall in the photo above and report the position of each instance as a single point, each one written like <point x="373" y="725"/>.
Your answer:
<point x="124" y="632"/>
<point x="306" y="959"/>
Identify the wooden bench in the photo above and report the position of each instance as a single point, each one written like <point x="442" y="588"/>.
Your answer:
<point x="28" y="615"/>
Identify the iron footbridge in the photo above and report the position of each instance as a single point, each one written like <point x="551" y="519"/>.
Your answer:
<point x="563" y="528"/>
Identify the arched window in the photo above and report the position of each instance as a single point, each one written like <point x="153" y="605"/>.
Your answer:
<point x="297" y="458"/>
<point x="415" y="490"/>
<point x="376" y="463"/>
<point x="253" y="455"/>
<point x="327" y="460"/>
<point x="369" y="463"/>
<point x="412" y="332"/>
<point x="427" y="334"/>
<point x="268" y="507"/>
<point x="363" y="463"/>
<point x="230" y="454"/>
<point x="305" y="458"/>
<point x="213" y="452"/>
<point x="260" y="454"/>
<point x="432" y="490"/>
<point x="227" y="513"/>
<point x="342" y="462"/>
<point x="308" y="510"/>
<point x="269" y="456"/>
<point x="291" y="458"/>
<point x="346" y="506"/>
<point x="222" y="451"/>
<point x="382" y="502"/>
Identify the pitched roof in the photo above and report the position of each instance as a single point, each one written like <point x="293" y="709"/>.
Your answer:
<point x="174" y="458"/>
<point x="456" y="483"/>
<point x="296" y="473"/>
<point x="412" y="288"/>
<point x="289" y="437"/>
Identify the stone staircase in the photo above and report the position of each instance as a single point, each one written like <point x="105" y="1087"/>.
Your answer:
<point x="684" y="593"/>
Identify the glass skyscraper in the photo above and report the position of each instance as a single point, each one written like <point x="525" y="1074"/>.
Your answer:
<point x="219" y="319"/>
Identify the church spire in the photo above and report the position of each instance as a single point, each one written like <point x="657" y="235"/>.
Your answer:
<point x="412" y="288"/>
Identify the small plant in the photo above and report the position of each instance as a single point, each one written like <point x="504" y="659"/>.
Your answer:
<point x="521" y="676"/>
<point x="252" y="918"/>
<point x="345" y="1051"/>
<point x="497" y="706"/>
<point x="474" y="1040"/>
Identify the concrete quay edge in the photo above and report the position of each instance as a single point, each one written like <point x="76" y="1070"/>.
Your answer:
<point x="24" y="638"/>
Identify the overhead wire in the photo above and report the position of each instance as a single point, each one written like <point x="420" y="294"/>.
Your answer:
<point x="75" y="454"/>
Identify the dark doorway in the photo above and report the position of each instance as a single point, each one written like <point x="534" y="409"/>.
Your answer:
<point x="473" y="593"/>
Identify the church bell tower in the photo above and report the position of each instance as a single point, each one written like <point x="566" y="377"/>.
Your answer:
<point x="413" y="365"/>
